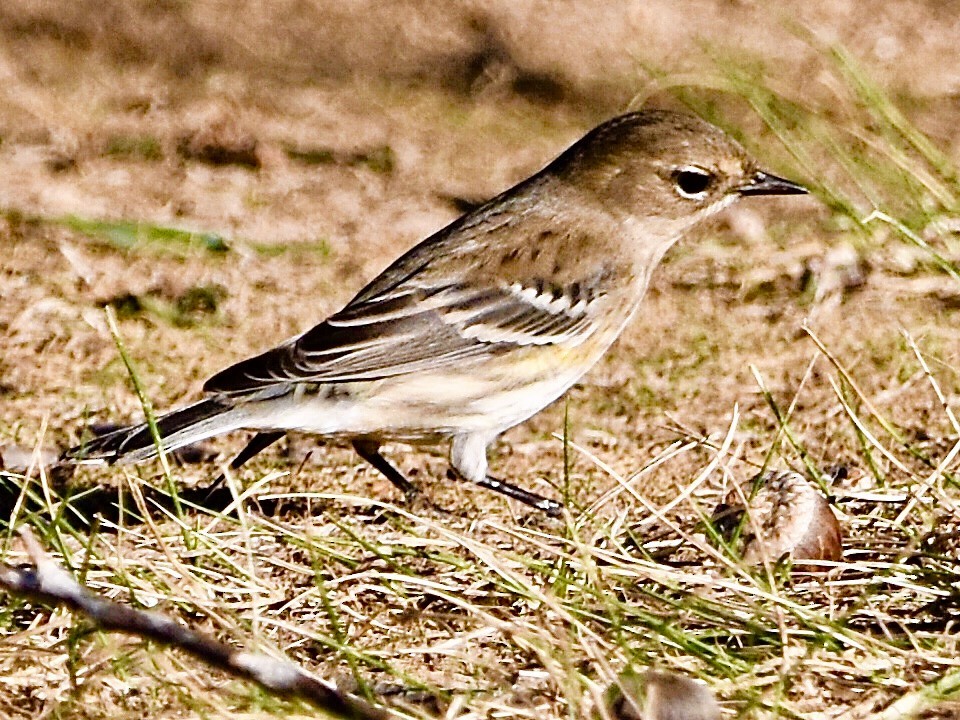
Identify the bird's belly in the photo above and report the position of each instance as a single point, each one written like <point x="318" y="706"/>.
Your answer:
<point x="456" y="403"/>
<point x="488" y="396"/>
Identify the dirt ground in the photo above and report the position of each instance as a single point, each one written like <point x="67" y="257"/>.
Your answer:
<point x="306" y="144"/>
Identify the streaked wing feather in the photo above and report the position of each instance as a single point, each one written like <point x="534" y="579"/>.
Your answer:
<point x="417" y="330"/>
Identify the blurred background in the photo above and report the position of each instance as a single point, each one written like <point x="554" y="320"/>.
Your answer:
<point x="124" y="109"/>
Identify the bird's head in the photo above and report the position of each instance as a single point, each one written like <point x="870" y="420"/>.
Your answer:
<point x="665" y="169"/>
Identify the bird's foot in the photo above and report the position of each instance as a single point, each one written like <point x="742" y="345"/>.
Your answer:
<point x="552" y="508"/>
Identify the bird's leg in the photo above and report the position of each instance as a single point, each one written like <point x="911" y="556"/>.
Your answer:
<point x="550" y="507"/>
<point x="468" y="461"/>
<point x="369" y="450"/>
<point x="258" y="443"/>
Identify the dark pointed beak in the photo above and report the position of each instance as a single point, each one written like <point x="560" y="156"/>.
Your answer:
<point x="766" y="184"/>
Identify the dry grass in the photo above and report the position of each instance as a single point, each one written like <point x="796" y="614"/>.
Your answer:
<point x="802" y="336"/>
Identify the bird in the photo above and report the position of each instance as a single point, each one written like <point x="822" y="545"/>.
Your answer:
<point x="485" y="322"/>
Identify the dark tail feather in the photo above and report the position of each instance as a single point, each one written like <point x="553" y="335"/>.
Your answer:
<point x="178" y="428"/>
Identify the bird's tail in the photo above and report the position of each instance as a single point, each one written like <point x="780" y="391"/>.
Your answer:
<point x="135" y="443"/>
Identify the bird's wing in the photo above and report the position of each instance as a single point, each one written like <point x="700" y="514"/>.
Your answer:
<point x="417" y="324"/>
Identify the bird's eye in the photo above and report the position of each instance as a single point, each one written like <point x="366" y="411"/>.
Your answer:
<point x="692" y="182"/>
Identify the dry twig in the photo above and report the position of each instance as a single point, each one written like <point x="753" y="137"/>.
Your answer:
<point x="48" y="583"/>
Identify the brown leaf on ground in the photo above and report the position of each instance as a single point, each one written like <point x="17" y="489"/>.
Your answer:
<point x="657" y="695"/>
<point x="20" y="459"/>
<point x="786" y="516"/>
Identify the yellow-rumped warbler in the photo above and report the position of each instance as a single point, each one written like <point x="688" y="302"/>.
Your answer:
<point x="487" y="321"/>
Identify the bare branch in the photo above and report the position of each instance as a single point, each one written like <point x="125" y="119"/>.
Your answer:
<point x="48" y="583"/>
